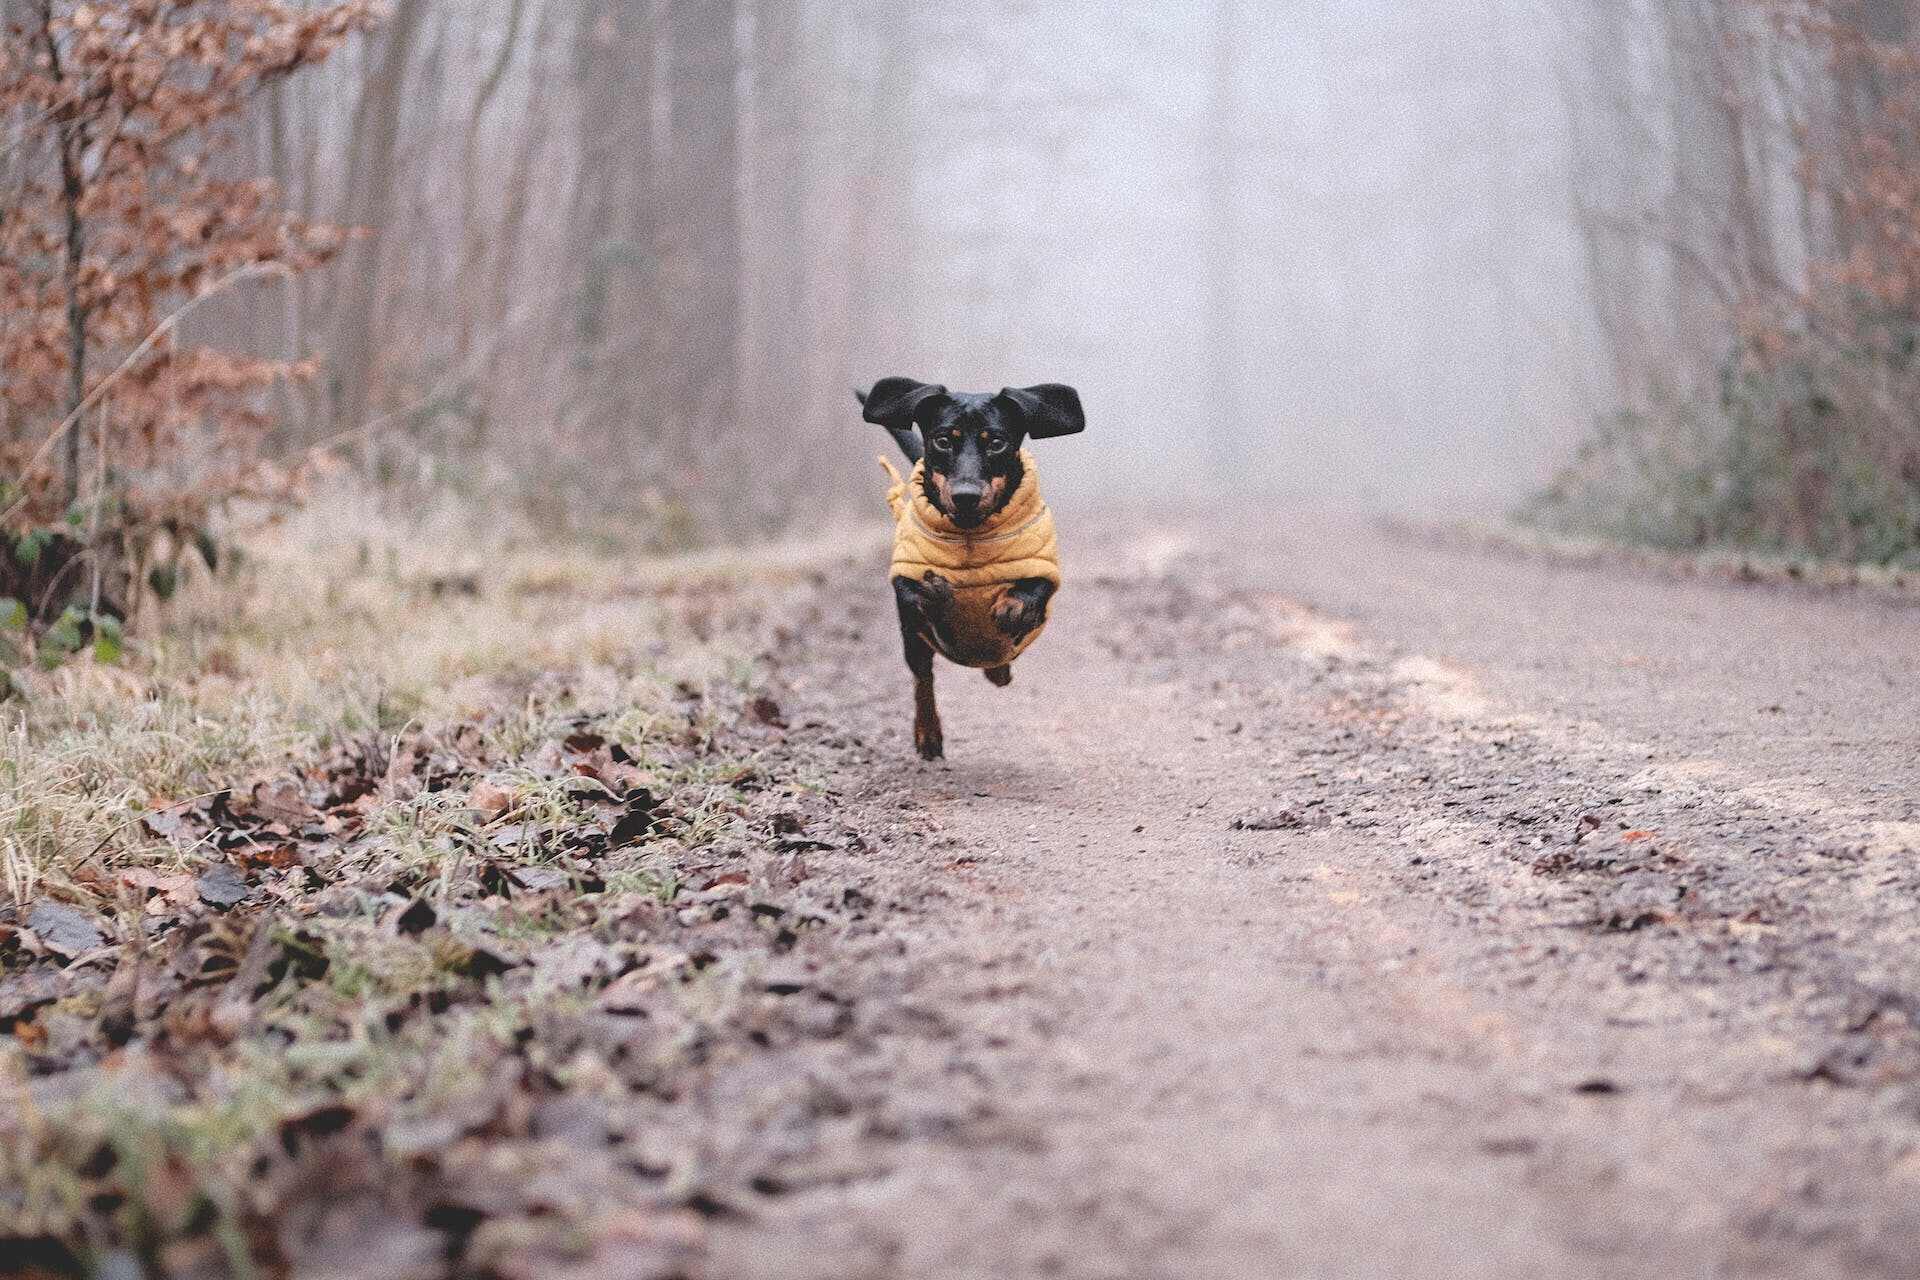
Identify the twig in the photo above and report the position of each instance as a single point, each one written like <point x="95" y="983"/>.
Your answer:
<point x="84" y="555"/>
<point x="22" y="132"/>
<point x="441" y="386"/>
<point x="114" y="834"/>
<point x="93" y="517"/>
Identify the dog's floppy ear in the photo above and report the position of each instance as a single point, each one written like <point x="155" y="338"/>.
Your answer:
<point x="1048" y="409"/>
<point x="895" y="403"/>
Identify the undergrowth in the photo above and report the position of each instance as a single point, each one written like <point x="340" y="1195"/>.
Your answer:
<point x="325" y="894"/>
<point x="1798" y="454"/>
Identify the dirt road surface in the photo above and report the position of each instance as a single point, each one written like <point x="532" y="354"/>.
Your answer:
<point x="1322" y="901"/>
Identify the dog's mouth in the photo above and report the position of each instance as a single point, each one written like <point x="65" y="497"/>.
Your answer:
<point x="968" y="507"/>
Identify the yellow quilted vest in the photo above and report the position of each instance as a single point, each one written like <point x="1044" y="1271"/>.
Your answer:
<point x="1016" y="542"/>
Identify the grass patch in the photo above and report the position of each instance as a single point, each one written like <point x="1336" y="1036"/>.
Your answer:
<point x="368" y="857"/>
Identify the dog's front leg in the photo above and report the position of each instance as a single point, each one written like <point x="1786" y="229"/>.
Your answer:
<point x="1024" y="607"/>
<point x="910" y="598"/>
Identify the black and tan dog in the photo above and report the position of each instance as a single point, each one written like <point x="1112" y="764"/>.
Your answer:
<point x="975" y="562"/>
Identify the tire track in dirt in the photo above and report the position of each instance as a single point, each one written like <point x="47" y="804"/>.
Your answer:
<point x="1742" y="927"/>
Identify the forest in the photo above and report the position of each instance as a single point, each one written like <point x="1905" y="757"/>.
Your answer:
<point x="567" y="248"/>
<point x="1754" y="300"/>
<point x="456" y="811"/>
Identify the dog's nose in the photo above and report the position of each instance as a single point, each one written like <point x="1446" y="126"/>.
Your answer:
<point x="966" y="498"/>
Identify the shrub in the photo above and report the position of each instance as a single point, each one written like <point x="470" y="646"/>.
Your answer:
<point x="1792" y="456"/>
<point x="120" y="212"/>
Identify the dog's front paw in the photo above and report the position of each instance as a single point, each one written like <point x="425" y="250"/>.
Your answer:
<point x="936" y="593"/>
<point x="1017" y="615"/>
<point x="928" y="741"/>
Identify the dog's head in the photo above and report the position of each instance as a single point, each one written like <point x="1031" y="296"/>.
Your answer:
<point x="972" y="439"/>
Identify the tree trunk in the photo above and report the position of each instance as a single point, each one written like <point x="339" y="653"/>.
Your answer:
<point x="701" y="241"/>
<point x="474" y="248"/>
<point x="73" y="144"/>
<point x="1222" y="245"/>
<point x="369" y="193"/>
<point x="613" y="308"/>
<point x="883" y="241"/>
<point x="781" y="328"/>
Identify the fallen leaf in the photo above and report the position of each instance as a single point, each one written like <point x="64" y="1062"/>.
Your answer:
<point x="119" y="1003"/>
<point x="417" y="916"/>
<point x="222" y="886"/>
<point x="276" y="856"/>
<point x="482" y="962"/>
<point x="490" y="800"/>
<point x="234" y="1009"/>
<point x="599" y="764"/>
<point x="168" y="822"/>
<point x="540" y="879"/>
<point x="641" y="819"/>
<point x="177" y="889"/>
<point x="23" y="992"/>
<point x="65" y="931"/>
<point x="281" y="800"/>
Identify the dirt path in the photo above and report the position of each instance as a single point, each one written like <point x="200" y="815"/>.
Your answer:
<point x="1329" y="905"/>
<point x="1317" y="903"/>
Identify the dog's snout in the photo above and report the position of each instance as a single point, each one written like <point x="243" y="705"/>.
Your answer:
<point x="966" y="497"/>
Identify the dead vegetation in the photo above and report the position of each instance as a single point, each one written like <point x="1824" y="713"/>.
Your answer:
<point x="124" y="213"/>
<point x="325" y="941"/>
<point x="1756" y="302"/>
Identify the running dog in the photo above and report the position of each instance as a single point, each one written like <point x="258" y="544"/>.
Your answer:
<point x="975" y="562"/>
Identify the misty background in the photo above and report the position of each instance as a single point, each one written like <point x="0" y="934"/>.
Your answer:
<point x="1318" y="248"/>
<point x="631" y="256"/>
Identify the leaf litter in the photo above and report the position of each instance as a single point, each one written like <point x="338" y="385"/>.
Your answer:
<point x="438" y="1002"/>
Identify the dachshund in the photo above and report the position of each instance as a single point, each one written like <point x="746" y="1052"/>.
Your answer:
<point x="975" y="561"/>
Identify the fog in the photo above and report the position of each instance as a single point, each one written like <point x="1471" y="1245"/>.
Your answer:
<point x="1314" y="250"/>
<point x="1399" y="257"/>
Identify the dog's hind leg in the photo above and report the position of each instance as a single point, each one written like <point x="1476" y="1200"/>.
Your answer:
<point x="1000" y="677"/>
<point x="927" y="737"/>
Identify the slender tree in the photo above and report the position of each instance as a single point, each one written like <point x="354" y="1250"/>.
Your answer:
<point x="371" y="186"/>
<point x="699" y="240"/>
<point x="132" y="209"/>
<point x="1225" y="354"/>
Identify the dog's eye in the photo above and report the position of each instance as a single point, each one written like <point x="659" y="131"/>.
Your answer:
<point x="942" y="444"/>
<point x="996" y="445"/>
